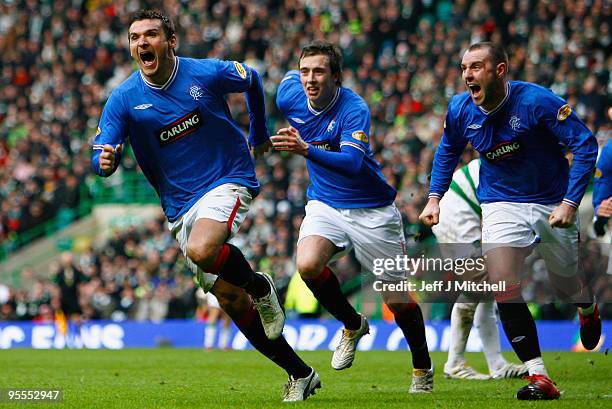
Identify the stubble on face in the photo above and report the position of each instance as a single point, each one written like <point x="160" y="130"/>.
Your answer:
<point x="152" y="50"/>
<point x="481" y="79"/>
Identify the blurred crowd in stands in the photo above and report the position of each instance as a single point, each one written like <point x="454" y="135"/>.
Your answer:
<point x="61" y="59"/>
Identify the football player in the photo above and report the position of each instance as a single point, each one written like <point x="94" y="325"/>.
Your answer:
<point x="350" y="204"/>
<point x="173" y="111"/>
<point x="527" y="191"/>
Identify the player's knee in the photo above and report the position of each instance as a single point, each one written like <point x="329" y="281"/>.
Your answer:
<point x="309" y="266"/>
<point x="201" y="253"/>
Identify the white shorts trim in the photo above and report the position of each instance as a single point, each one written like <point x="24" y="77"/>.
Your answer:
<point x="227" y="203"/>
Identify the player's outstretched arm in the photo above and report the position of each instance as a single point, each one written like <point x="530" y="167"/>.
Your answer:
<point x="348" y="161"/>
<point x="256" y="105"/>
<point x="431" y="213"/>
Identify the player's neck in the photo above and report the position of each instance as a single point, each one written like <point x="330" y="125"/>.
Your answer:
<point x="499" y="96"/>
<point x="163" y="73"/>
<point x="324" y="103"/>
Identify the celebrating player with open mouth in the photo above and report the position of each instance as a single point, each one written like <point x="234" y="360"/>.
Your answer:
<point x="174" y="112"/>
<point x="528" y="192"/>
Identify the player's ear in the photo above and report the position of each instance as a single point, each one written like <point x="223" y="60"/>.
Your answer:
<point x="172" y="43"/>
<point x="337" y="78"/>
<point x="502" y="70"/>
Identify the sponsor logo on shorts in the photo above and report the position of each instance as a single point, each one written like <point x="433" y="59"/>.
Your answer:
<point x="502" y="150"/>
<point x="241" y="71"/>
<point x="564" y="112"/>
<point x="360" y="136"/>
<point x="180" y="128"/>
<point x="323" y="145"/>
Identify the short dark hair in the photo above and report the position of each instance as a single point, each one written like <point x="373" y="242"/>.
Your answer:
<point x="496" y="51"/>
<point x="331" y="51"/>
<point x="167" y="24"/>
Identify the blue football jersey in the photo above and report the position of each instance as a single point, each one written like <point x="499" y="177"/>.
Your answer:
<point x="522" y="145"/>
<point x="345" y="122"/>
<point x="182" y="133"/>
<point x="602" y="185"/>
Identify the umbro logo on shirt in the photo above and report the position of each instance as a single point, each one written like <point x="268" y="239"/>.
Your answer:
<point x="298" y="120"/>
<point x="143" y="106"/>
<point x="474" y="126"/>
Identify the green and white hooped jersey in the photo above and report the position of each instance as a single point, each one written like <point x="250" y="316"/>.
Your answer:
<point x="460" y="212"/>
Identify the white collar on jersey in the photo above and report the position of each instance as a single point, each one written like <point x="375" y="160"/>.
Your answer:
<point x="327" y="108"/>
<point x="168" y="82"/>
<point x="503" y="101"/>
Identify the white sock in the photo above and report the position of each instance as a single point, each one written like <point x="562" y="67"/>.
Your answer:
<point x="462" y="317"/>
<point x="224" y="338"/>
<point x="209" y="335"/>
<point x="536" y="366"/>
<point x="485" y="320"/>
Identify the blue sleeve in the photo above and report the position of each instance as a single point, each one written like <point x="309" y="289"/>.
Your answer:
<point x="355" y="128"/>
<point x="602" y="185"/>
<point x="258" y="131"/>
<point x="112" y="130"/>
<point x="446" y="157"/>
<point x="288" y="90"/>
<point x="348" y="161"/>
<point x="232" y="77"/>
<point x="558" y="117"/>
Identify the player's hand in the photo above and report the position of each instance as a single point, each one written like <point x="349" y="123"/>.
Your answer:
<point x="562" y="216"/>
<point x="260" y="149"/>
<point x="431" y="214"/>
<point x="605" y="208"/>
<point x="107" y="157"/>
<point x="289" y="140"/>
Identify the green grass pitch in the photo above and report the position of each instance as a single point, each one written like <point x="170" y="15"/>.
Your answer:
<point x="179" y="378"/>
